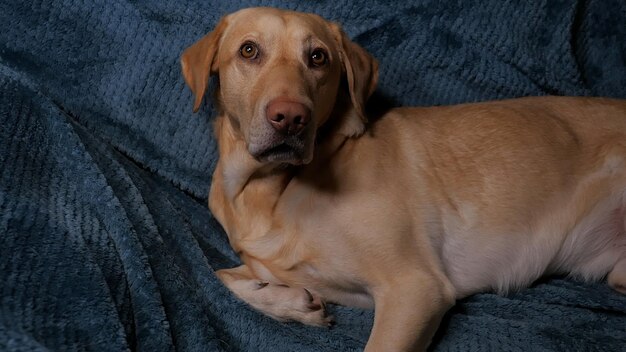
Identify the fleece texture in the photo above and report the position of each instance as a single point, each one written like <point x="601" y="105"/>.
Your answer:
<point x="106" y="242"/>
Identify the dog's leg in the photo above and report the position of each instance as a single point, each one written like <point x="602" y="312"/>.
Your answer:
<point x="408" y="312"/>
<point x="280" y="302"/>
<point x="617" y="276"/>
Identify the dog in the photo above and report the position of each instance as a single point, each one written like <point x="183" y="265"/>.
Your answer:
<point x="407" y="213"/>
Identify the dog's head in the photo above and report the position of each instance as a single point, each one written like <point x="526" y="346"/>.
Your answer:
<point x="280" y="75"/>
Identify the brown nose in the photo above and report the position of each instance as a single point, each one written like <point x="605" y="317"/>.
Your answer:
<point x="287" y="117"/>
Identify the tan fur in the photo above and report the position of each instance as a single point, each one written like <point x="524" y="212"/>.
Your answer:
<point x="422" y="207"/>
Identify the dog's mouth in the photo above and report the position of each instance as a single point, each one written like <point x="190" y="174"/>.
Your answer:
<point x="282" y="153"/>
<point x="273" y="147"/>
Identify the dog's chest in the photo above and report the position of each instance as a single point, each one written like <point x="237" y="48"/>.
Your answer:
<point x="300" y="237"/>
<point x="301" y="257"/>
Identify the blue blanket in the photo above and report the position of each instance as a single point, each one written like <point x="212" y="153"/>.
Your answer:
<point x="106" y="242"/>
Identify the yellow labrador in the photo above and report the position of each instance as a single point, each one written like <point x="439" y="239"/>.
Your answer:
<point x="410" y="212"/>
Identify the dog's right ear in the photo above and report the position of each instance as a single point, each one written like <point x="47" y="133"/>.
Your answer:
<point x="199" y="61"/>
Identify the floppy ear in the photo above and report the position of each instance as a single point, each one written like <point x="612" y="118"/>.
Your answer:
<point x="199" y="61"/>
<point x="361" y="71"/>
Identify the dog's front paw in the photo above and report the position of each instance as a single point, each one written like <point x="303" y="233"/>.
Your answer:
<point x="281" y="302"/>
<point x="284" y="303"/>
<point x="315" y="311"/>
<point x="617" y="277"/>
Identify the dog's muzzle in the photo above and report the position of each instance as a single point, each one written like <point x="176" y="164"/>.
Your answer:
<point x="287" y="134"/>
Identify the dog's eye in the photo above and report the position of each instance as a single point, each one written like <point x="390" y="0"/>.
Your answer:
<point x="318" y="58"/>
<point x="249" y="51"/>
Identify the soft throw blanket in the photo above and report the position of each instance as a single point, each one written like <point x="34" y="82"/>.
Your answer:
<point x="106" y="242"/>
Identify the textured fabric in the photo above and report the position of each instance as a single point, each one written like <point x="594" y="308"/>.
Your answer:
<point x="106" y="242"/>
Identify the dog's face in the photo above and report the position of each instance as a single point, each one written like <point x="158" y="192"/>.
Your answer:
<point x="280" y="74"/>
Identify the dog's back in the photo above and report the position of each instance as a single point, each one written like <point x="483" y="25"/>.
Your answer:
<point x="525" y="186"/>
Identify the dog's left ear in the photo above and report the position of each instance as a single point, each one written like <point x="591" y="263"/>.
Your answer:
<point x="361" y="71"/>
<point x="199" y="61"/>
